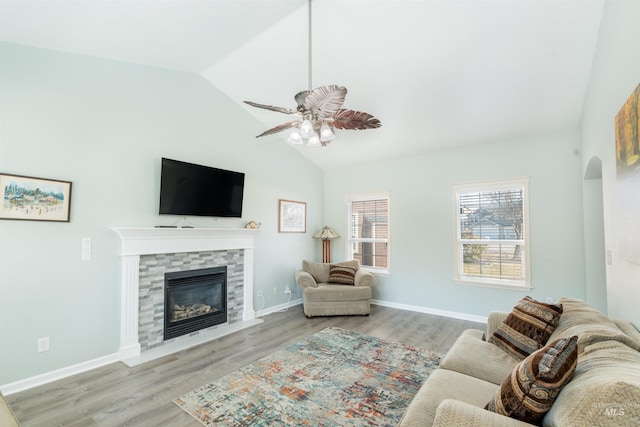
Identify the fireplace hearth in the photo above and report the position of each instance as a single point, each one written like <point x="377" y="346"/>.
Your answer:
<point x="194" y="300"/>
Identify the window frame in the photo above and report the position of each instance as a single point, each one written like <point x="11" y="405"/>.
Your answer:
<point x="459" y="275"/>
<point x="349" y="241"/>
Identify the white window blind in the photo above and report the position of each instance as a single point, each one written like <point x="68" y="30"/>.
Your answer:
<point x="491" y="244"/>
<point x="368" y="225"/>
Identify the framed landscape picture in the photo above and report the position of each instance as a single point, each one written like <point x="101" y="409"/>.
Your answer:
<point x="292" y="216"/>
<point x="34" y="199"/>
<point x="627" y="124"/>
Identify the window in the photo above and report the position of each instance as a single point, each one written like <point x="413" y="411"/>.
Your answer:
<point x="368" y="228"/>
<point x="492" y="233"/>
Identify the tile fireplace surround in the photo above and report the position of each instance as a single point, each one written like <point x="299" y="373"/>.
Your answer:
<point x="137" y="242"/>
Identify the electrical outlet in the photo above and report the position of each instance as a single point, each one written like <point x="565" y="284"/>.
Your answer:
<point x="43" y="344"/>
<point x="287" y="289"/>
<point x="275" y="290"/>
<point x="259" y="293"/>
<point x="549" y="300"/>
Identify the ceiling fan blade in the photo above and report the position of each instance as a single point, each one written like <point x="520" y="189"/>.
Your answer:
<point x="300" y="97"/>
<point x="272" y="108"/>
<point x="325" y="100"/>
<point x="280" y="128"/>
<point x="350" y="119"/>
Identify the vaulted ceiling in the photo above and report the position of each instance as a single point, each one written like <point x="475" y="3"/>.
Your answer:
<point x="439" y="74"/>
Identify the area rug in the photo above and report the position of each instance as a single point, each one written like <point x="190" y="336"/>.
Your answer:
<point x="335" y="377"/>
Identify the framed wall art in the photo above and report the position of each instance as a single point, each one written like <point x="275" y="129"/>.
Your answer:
<point x="292" y="216"/>
<point x="627" y="126"/>
<point x="34" y="199"/>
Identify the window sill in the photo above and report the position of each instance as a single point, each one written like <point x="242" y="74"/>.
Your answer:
<point x="522" y="288"/>
<point x="376" y="272"/>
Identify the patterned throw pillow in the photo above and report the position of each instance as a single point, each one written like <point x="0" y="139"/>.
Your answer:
<point x="527" y="328"/>
<point x="342" y="275"/>
<point x="533" y="385"/>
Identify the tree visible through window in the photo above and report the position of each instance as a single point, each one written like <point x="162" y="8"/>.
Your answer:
<point x="368" y="240"/>
<point x="491" y="233"/>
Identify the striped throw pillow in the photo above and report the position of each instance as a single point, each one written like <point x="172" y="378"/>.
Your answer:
<point x="342" y="275"/>
<point x="527" y="328"/>
<point x="529" y="391"/>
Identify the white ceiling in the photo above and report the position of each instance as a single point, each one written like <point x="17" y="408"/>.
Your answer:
<point x="439" y="74"/>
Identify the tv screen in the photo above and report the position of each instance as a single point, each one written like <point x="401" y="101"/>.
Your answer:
<point x="190" y="189"/>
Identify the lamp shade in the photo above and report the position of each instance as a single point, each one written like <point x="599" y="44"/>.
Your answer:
<point x="314" y="141"/>
<point x="306" y="129"/>
<point x="326" y="233"/>
<point x="326" y="134"/>
<point x="295" y="137"/>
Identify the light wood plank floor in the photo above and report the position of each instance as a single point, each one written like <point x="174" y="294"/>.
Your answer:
<point x="117" y="395"/>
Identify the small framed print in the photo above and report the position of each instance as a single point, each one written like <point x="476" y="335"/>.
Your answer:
<point x="34" y="199"/>
<point x="292" y="216"/>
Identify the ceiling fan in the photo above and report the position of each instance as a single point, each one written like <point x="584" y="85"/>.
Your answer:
<point x="319" y="112"/>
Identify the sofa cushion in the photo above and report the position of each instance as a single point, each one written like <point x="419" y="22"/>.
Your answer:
<point x="342" y="275"/>
<point x="528" y="393"/>
<point x="453" y="413"/>
<point x="604" y="391"/>
<point x="444" y="384"/>
<point x="527" y="328"/>
<point x="591" y="326"/>
<point x="472" y="356"/>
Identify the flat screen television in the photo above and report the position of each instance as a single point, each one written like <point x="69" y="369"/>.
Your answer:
<point x="190" y="189"/>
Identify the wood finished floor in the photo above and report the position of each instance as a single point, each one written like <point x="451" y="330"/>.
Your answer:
<point x="117" y="395"/>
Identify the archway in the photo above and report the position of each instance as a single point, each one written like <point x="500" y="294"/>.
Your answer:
<point x="594" y="247"/>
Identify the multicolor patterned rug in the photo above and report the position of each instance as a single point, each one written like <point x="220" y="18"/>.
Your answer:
<point x="335" y="377"/>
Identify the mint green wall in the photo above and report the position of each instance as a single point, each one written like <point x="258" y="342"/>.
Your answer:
<point x="615" y="74"/>
<point x="422" y="220"/>
<point x="104" y="125"/>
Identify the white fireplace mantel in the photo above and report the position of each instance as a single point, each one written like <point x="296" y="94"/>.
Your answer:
<point x="159" y="240"/>
<point x="137" y="241"/>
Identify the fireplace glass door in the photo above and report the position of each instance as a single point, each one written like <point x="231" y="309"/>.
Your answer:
<point x="194" y="300"/>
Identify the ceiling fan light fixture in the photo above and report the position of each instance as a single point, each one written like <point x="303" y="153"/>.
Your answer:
<point x="295" y="137"/>
<point x="306" y="129"/>
<point x="326" y="134"/>
<point x="314" y="141"/>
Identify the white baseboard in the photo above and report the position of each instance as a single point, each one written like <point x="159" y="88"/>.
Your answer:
<point x="277" y="308"/>
<point x="58" y="374"/>
<point x="434" y="311"/>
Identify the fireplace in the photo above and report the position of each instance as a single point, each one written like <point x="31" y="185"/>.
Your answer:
<point x="194" y="300"/>
<point x="147" y="253"/>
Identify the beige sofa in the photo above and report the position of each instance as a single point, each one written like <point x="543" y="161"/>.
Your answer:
<point x="7" y="418"/>
<point x="604" y="389"/>
<point x="321" y="297"/>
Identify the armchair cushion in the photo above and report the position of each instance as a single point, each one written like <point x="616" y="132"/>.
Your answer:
<point x="320" y="271"/>
<point x="342" y="275"/>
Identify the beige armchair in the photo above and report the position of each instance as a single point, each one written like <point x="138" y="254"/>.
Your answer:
<point x="334" y="289"/>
